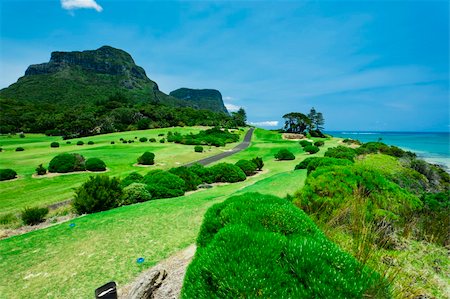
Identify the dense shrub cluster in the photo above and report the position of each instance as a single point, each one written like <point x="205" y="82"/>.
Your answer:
<point x="190" y="178"/>
<point x="227" y="173"/>
<point x="312" y="163"/>
<point x="143" y="139"/>
<point x="304" y="143"/>
<point x="80" y="142"/>
<point x="198" y="149"/>
<point x="284" y="154"/>
<point x="205" y="174"/>
<point x="311" y="149"/>
<point x="163" y="184"/>
<point x="90" y="142"/>
<point x="319" y="143"/>
<point x="352" y="141"/>
<point x="134" y="193"/>
<point x="19" y="149"/>
<point x="95" y="164"/>
<point x="152" y="140"/>
<point x="147" y="159"/>
<point x="214" y="136"/>
<point x="64" y="163"/>
<point x="133" y="177"/>
<point x="33" y="216"/>
<point x="379" y="147"/>
<point x="262" y="246"/>
<point x="258" y="161"/>
<point x="341" y="152"/>
<point x="248" y="167"/>
<point x="54" y="144"/>
<point x="7" y="174"/>
<point x="40" y="170"/>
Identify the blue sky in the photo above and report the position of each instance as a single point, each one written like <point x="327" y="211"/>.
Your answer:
<point x="366" y="65"/>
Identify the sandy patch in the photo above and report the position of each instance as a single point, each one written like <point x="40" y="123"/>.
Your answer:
<point x="17" y="178"/>
<point x="292" y="136"/>
<point x="54" y="174"/>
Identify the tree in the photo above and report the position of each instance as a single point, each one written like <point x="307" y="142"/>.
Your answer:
<point x="312" y="115"/>
<point x="296" y="122"/>
<point x="239" y="117"/>
<point x="319" y="121"/>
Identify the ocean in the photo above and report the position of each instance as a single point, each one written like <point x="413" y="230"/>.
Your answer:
<point x="432" y="147"/>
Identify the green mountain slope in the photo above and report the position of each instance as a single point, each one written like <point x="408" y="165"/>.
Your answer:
<point x="210" y="99"/>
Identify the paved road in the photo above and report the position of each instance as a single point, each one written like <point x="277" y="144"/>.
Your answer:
<point x="241" y="146"/>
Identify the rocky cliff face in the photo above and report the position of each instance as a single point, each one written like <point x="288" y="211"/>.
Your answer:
<point x="201" y="98"/>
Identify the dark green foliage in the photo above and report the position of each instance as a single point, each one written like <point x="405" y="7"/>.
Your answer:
<point x="143" y="139"/>
<point x="90" y="142"/>
<point x="33" y="216"/>
<point x="311" y="149"/>
<point x="198" y="149"/>
<point x="304" y="143"/>
<point x="379" y="147"/>
<point x="207" y="98"/>
<point x="162" y="140"/>
<point x="40" y="170"/>
<point x="326" y="161"/>
<point x="341" y="152"/>
<point x="316" y="133"/>
<point x="21" y="135"/>
<point x="284" y="154"/>
<point x="19" y="149"/>
<point x="304" y="163"/>
<point x="248" y="167"/>
<point x="319" y="143"/>
<point x="80" y="142"/>
<point x="95" y="164"/>
<point x="133" y="177"/>
<point x="161" y="134"/>
<point x="262" y="246"/>
<point x="352" y="141"/>
<point x="163" y="184"/>
<point x="7" y="174"/>
<point x="99" y="193"/>
<point x="258" y="161"/>
<point x="438" y="179"/>
<point x="63" y="163"/>
<point x="1" y="149"/>
<point x="227" y="173"/>
<point x="68" y="142"/>
<point x="147" y="159"/>
<point x="112" y="142"/>
<point x="434" y="219"/>
<point x="205" y="174"/>
<point x="213" y="137"/>
<point x="7" y="218"/>
<point x="54" y="144"/>
<point x="152" y="140"/>
<point x="135" y="193"/>
<point x="190" y="178"/>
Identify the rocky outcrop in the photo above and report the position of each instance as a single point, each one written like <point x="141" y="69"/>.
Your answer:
<point x="201" y="98"/>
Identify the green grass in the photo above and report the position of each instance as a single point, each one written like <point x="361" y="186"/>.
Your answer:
<point x="119" y="158"/>
<point x="64" y="262"/>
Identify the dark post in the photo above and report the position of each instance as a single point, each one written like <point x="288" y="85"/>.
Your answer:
<point x="107" y="291"/>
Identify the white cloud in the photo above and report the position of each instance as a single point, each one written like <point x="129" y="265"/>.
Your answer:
<point x="229" y="98"/>
<point x="268" y="123"/>
<point x="231" y="107"/>
<point x="77" y="4"/>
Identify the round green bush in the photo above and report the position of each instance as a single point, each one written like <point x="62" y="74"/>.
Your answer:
<point x="20" y="149"/>
<point x="319" y="143"/>
<point x="205" y="174"/>
<point x="304" y="163"/>
<point x="143" y="139"/>
<point x="124" y="141"/>
<point x="152" y="140"/>
<point x="95" y="164"/>
<point x="22" y="135"/>
<point x="341" y="152"/>
<point x="135" y="193"/>
<point x="248" y="167"/>
<point x="40" y="170"/>
<point x="227" y="173"/>
<point x="33" y="216"/>
<point x="133" y="177"/>
<point x="130" y="141"/>
<point x="147" y="158"/>
<point x="163" y="184"/>
<point x="90" y="142"/>
<point x="80" y="142"/>
<point x="311" y="149"/>
<point x="161" y="134"/>
<point x="99" y="193"/>
<point x="284" y="154"/>
<point x="190" y="179"/>
<point x="54" y="144"/>
<point x="68" y="142"/>
<point x="112" y="142"/>
<point x="64" y="163"/>
<point x="304" y="143"/>
<point x="7" y="174"/>
<point x="162" y="140"/>
<point x="258" y="161"/>
<point x="198" y="149"/>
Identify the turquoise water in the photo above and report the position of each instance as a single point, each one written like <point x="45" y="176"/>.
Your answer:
<point x="432" y="147"/>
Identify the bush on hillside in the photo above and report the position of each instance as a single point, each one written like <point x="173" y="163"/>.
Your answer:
<point x="198" y="149"/>
<point x="304" y="143"/>
<point x="319" y="143"/>
<point x="152" y="140"/>
<point x="95" y="164"/>
<point x="22" y="135"/>
<point x="143" y="139"/>
<point x="160" y="134"/>
<point x="133" y="177"/>
<point x="7" y="174"/>
<point x="68" y="142"/>
<point x="316" y="133"/>
<point x="163" y="184"/>
<point x="227" y="173"/>
<point x="112" y="142"/>
<point x="147" y="159"/>
<point x="19" y="149"/>
<point x="64" y="163"/>
<point x="326" y="161"/>
<point x="162" y="140"/>
<point x="80" y="142"/>
<point x="134" y="193"/>
<point x="304" y="163"/>
<point x="258" y="161"/>
<point x="191" y="179"/>
<point x="54" y="144"/>
<point x="90" y="142"/>
<point x="248" y="167"/>
<point x="434" y="218"/>
<point x="99" y="193"/>
<point x="311" y="149"/>
<point x="284" y="154"/>
<point x="33" y="216"/>
<point x="351" y="141"/>
<point x="205" y="174"/>
<point x="379" y="147"/>
<point x="341" y="152"/>
<point x="40" y="170"/>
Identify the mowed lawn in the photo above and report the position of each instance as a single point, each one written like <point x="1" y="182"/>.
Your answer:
<point x="119" y="158"/>
<point x="70" y="262"/>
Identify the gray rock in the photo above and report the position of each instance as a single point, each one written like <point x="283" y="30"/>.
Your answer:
<point x="146" y="285"/>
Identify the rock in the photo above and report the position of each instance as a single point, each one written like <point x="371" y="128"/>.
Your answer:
<point x="146" y="284"/>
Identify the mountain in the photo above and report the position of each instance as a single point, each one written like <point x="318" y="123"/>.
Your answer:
<point x="90" y="76"/>
<point x="201" y="98"/>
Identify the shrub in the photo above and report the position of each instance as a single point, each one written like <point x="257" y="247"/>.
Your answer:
<point x="7" y="174"/>
<point x="54" y="144"/>
<point x="143" y="139"/>
<point x="20" y="149"/>
<point x="248" y="167"/>
<point x="63" y="163"/>
<point x="227" y="173"/>
<point x="319" y="143"/>
<point x="133" y="177"/>
<point x="22" y="135"/>
<point x="68" y="142"/>
<point x="135" y="193"/>
<point x="152" y="140"/>
<point x="205" y="174"/>
<point x="124" y="141"/>
<point x="147" y="158"/>
<point x="258" y="161"/>
<point x="7" y="218"/>
<point x="33" y="216"/>
<point x="162" y="140"/>
<point x="112" y="142"/>
<point x="316" y="133"/>
<point x="304" y="163"/>
<point x="90" y="142"/>
<point x="95" y="164"/>
<point x="79" y="142"/>
<point x="341" y="152"/>
<point x="160" y="134"/>
<point x="304" y="143"/>
<point x="1" y="149"/>
<point x="311" y="149"/>
<point x="130" y="141"/>
<point x="121" y="139"/>
<point x="284" y="154"/>
<point x="40" y="170"/>
<point x="163" y="184"/>
<point x="190" y="178"/>
<point x="99" y="193"/>
<point x="198" y="149"/>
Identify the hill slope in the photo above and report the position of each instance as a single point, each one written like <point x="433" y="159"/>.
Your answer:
<point x="210" y="99"/>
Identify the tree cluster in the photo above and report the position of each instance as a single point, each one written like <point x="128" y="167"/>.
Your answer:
<point x="296" y="122"/>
